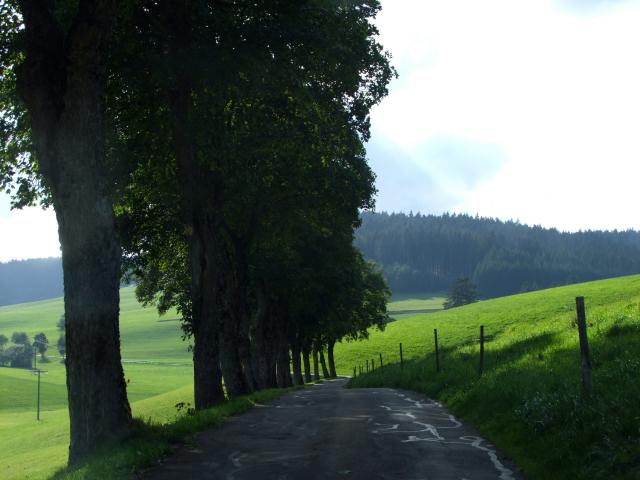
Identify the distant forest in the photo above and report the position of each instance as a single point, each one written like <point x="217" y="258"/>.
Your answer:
<point x="30" y="280"/>
<point x="422" y="253"/>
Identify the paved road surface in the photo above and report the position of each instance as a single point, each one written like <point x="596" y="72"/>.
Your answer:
<point x="330" y="432"/>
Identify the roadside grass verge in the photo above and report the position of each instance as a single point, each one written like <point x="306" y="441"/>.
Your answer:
<point x="529" y="401"/>
<point x="150" y="441"/>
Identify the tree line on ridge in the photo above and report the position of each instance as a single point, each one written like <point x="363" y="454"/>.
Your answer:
<point x="426" y="253"/>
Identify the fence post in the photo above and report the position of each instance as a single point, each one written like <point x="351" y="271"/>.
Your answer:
<point x="481" y="348"/>
<point x="380" y="360"/>
<point x="435" y="335"/>
<point x="401" y="359"/>
<point x="585" y="362"/>
<point x="367" y="363"/>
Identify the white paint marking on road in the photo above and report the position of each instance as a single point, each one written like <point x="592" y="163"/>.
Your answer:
<point x="505" y="473"/>
<point x="454" y="420"/>
<point x="413" y="438"/>
<point x="405" y="414"/>
<point x="388" y="428"/>
<point x="431" y="429"/>
<point x="235" y="458"/>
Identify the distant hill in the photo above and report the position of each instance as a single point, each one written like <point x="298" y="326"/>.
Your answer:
<point x="30" y="280"/>
<point x="426" y="253"/>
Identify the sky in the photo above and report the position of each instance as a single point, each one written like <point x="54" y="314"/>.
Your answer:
<point x="525" y="110"/>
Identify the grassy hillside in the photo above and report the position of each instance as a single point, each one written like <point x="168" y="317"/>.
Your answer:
<point x="157" y="366"/>
<point x="404" y="305"/>
<point x="529" y="401"/>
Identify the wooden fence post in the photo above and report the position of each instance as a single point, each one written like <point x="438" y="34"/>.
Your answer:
<point x="401" y="359"/>
<point x="585" y="362"/>
<point x="380" y="360"/>
<point x="435" y="335"/>
<point x="481" y="348"/>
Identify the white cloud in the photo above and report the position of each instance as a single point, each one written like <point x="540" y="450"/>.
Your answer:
<point x="27" y="233"/>
<point x="539" y="101"/>
<point x="556" y="91"/>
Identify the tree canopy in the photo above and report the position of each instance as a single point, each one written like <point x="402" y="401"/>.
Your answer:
<point x="462" y="292"/>
<point x="224" y="168"/>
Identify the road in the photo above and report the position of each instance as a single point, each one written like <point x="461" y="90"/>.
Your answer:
<point x="329" y="432"/>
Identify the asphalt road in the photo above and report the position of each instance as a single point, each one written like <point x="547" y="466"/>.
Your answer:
<point x="330" y="432"/>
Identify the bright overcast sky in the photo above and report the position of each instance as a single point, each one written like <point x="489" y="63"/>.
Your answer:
<point x="522" y="110"/>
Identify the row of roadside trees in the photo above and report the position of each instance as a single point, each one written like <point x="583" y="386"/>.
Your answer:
<point x="215" y="151"/>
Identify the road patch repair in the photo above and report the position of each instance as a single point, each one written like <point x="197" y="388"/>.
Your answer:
<point x="327" y="431"/>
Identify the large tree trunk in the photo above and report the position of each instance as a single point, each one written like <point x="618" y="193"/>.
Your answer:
<point x="264" y="358"/>
<point x="62" y="81"/>
<point x="283" y="367"/>
<point x="234" y="378"/>
<point x="295" y="363"/>
<point x="248" y="364"/>
<point x="306" y="350"/>
<point x="332" y="364"/>
<point x="316" y="369"/>
<point x="207" y="378"/>
<point x="199" y="217"/>
<point x="234" y="344"/>
<point x="325" y="372"/>
<point x="98" y="406"/>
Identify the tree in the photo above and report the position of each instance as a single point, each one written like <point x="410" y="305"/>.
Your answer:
<point x="260" y="111"/>
<point x="40" y="343"/>
<point x="62" y="346"/>
<point x="20" y="338"/>
<point x="52" y="142"/>
<point x="3" y="340"/>
<point x="462" y="292"/>
<point x="20" y="356"/>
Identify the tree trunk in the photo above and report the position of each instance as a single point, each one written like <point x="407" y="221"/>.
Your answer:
<point x="234" y="337"/>
<point x="295" y="362"/>
<point x="234" y="378"/>
<point x="316" y="369"/>
<point x="332" y="365"/>
<point x="62" y="81"/>
<point x="98" y="406"/>
<point x="207" y="380"/>
<point x="264" y="361"/>
<point x="283" y="371"/>
<point x="307" y="365"/>
<point x="283" y="360"/>
<point x="325" y="372"/>
<point x="199" y="217"/>
<point x="248" y="364"/>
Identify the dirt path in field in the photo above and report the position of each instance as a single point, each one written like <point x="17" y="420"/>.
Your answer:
<point x="330" y="432"/>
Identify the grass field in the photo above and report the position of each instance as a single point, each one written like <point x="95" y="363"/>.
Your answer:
<point x="529" y="401"/>
<point x="31" y="449"/>
<point x="403" y="305"/>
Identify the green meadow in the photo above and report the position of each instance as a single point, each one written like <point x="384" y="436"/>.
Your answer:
<point x="404" y="305"/>
<point x="157" y="367"/>
<point x="529" y="400"/>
